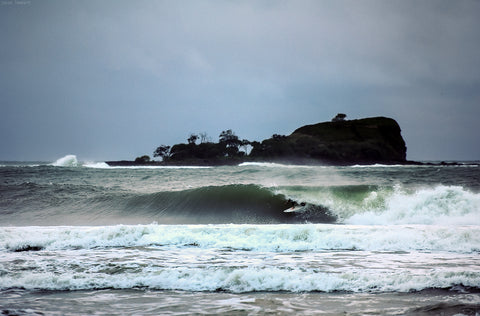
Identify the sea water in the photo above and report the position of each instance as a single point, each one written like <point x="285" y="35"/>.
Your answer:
<point x="85" y="238"/>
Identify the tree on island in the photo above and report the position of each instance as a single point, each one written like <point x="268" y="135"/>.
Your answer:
<point x="230" y="142"/>
<point x="229" y="138"/>
<point x="143" y="159"/>
<point x="162" y="151"/>
<point x="192" y="140"/>
<point x="227" y="149"/>
<point x="272" y="147"/>
<point x="339" y="118"/>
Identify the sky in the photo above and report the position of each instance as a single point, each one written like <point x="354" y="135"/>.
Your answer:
<point x="113" y="79"/>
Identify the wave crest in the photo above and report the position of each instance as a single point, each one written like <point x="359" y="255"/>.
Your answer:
<point x="225" y="204"/>
<point x="442" y="205"/>
<point x="385" y="205"/>
<point x="272" y="238"/>
<point x="66" y="161"/>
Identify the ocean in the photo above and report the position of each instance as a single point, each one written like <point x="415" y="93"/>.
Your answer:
<point x="79" y="238"/>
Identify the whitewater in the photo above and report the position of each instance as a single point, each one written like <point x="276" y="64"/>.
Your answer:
<point x="85" y="238"/>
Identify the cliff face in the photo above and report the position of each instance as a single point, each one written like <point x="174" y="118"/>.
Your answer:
<point x="369" y="140"/>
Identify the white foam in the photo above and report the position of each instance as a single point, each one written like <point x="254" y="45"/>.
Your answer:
<point x="241" y="279"/>
<point x="379" y="166"/>
<point x="164" y="167"/>
<point x="241" y="258"/>
<point x="439" y="205"/>
<point x="104" y="165"/>
<point x="290" y="238"/>
<point x="96" y="165"/>
<point x="19" y="165"/>
<point x="67" y="161"/>
<point x="275" y="165"/>
<point x="442" y="205"/>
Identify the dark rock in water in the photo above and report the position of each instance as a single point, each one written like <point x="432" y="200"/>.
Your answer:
<point x="27" y="248"/>
<point x="365" y="141"/>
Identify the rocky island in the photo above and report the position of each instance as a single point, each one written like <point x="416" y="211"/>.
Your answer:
<point x="363" y="141"/>
<point x="338" y="142"/>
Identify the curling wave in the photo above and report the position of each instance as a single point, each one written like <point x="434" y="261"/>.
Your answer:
<point x="226" y="204"/>
<point x="83" y="204"/>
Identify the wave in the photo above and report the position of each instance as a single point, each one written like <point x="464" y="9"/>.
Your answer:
<point x="248" y="237"/>
<point x="235" y="203"/>
<point x="104" y="165"/>
<point x="277" y="165"/>
<point x="18" y="164"/>
<point x="94" y="205"/>
<point x="384" y="205"/>
<point x="441" y="205"/>
<point x="353" y="204"/>
<point x="96" y="165"/>
<point x="72" y="161"/>
<point x="153" y="167"/>
<point x="240" y="258"/>
<point x="239" y="203"/>
<point x="240" y="280"/>
<point x="66" y="161"/>
<point x="377" y="165"/>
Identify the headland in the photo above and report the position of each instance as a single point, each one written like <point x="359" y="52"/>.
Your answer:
<point x="374" y="140"/>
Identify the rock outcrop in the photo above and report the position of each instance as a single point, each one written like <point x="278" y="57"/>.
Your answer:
<point x="363" y="141"/>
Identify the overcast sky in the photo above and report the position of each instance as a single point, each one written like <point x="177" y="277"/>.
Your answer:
<point x="115" y="79"/>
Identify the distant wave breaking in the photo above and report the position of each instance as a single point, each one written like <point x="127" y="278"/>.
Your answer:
<point x="67" y="161"/>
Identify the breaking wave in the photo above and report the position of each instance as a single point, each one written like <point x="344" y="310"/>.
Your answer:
<point x="380" y="205"/>
<point x="441" y="205"/>
<point x="67" y="161"/>
<point x="276" y="165"/>
<point x="237" y="258"/>
<point x="241" y="204"/>
<point x="224" y="204"/>
<point x="249" y="237"/>
<point x="239" y="280"/>
<point x="72" y="161"/>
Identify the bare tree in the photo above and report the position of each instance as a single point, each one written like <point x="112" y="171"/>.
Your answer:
<point x="203" y="137"/>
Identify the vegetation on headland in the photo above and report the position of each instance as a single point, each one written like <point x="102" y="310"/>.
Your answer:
<point x="198" y="150"/>
<point x="339" y="142"/>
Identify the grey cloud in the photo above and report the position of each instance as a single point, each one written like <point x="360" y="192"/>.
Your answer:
<point x="113" y="79"/>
